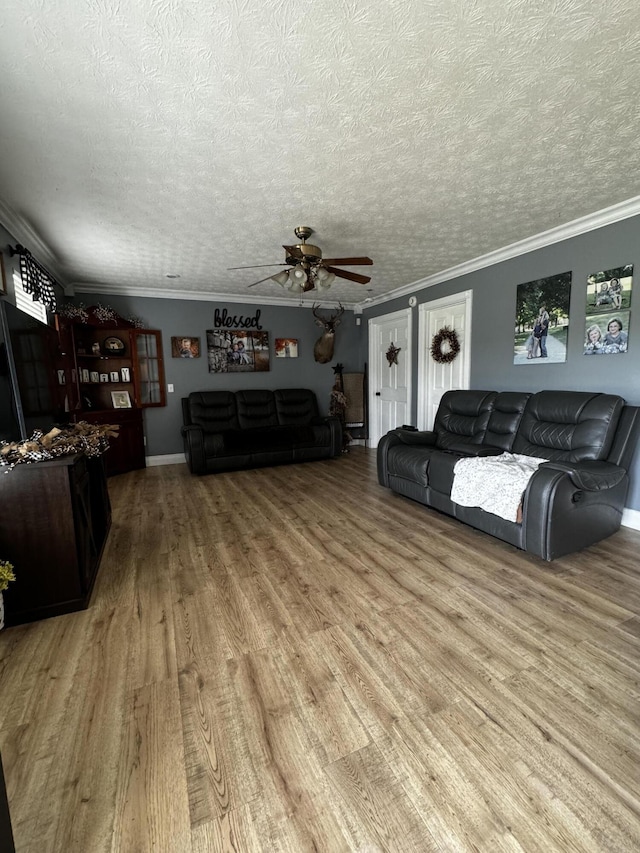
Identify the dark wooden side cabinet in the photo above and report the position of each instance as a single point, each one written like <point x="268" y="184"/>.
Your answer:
<point x="6" y="834"/>
<point x="54" y="521"/>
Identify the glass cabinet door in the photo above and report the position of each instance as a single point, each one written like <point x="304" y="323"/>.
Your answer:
<point x="148" y="368"/>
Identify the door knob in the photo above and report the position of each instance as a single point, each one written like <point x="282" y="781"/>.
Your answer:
<point x="377" y="393"/>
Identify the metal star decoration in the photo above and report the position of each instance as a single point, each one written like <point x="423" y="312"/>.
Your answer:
<point x="392" y="354"/>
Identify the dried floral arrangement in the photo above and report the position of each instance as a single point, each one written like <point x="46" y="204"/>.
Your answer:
<point x="91" y="439"/>
<point x="79" y="313"/>
<point x="6" y="574"/>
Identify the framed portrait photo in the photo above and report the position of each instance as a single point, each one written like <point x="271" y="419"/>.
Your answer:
<point x="286" y="347"/>
<point x="121" y="399"/>
<point x="185" y="347"/>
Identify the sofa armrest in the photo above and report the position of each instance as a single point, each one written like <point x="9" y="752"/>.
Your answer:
<point x="392" y="439"/>
<point x="568" y="506"/>
<point x="590" y="476"/>
<point x="193" y="437"/>
<point x="335" y="429"/>
<point x="424" y="438"/>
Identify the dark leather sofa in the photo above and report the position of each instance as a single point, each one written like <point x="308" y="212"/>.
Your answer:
<point x="573" y="500"/>
<point x="227" y="430"/>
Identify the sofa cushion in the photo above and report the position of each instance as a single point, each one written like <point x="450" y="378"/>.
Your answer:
<point x="568" y="426"/>
<point x="269" y="438"/>
<point x="256" y="408"/>
<point x="295" y="406"/>
<point x="213" y="411"/>
<point x="213" y="444"/>
<point x="463" y="416"/>
<point x="411" y="463"/>
<point x="505" y="418"/>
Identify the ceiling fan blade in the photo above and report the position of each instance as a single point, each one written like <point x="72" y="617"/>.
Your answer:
<point x="293" y="251"/>
<point x="260" y="281"/>
<point x="257" y="266"/>
<point x="348" y="262"/>
<point x="351" y="276"/>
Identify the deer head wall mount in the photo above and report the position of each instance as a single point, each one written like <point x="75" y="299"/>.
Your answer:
<point x="323" y="349"/>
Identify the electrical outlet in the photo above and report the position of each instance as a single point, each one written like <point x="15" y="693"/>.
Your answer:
<point x="170" y="388"/>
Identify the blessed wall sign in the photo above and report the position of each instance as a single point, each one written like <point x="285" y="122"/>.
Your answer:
<point x="224" y="320"/>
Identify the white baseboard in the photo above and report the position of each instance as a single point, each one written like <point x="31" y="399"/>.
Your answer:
<point x="167" y="459"/>
<point x="631" y="518"/>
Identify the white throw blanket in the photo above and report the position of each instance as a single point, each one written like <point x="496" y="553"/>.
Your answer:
<point x="493" y="483"/>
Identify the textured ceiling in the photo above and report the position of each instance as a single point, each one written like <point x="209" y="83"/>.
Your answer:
<point x="147" y="137"/>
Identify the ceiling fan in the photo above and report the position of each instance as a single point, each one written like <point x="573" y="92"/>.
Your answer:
<point x="308" y="269"/>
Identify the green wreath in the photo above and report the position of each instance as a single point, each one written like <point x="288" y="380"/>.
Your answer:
<point x="445" y="336"/>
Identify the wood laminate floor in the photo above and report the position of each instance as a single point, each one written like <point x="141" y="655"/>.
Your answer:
<point x="295" y="659"/>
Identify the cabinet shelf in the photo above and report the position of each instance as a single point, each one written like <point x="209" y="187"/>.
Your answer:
<point x="103" y="357"/>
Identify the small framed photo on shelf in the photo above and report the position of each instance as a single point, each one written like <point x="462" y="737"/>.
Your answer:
<point x="113" y="346"/>
<point x="95" y="376"/>
<point x="125" y="374"/>
<point x="115" y="376"/>
<point x="95" y="348"/>
<point x="121" y="399"/>
<point x="104" y="377"/>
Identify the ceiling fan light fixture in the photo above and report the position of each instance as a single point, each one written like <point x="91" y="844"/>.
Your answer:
<point x="324" y="279"/>
<point x="282" y="278"/>
<point x="306" y="268"/>
<point x="298" y="274"/>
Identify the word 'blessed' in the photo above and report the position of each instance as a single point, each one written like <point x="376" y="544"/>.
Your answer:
<point x="224" y="320"/>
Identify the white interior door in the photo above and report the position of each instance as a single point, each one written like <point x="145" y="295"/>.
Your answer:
<point x="389" y="385"/>
<point x="434" y="378"/>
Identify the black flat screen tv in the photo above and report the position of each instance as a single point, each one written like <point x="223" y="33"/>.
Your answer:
<point x="29" y="396"/>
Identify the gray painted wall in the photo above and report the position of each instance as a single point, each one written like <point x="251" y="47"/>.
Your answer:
<point x="175" y="317"/>
<point x="494" y="299"/>
<point x="494" y="304"/>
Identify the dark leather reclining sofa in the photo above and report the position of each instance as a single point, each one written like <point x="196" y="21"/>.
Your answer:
<point x="227" y="430"/>
<point x="573" y="500"/>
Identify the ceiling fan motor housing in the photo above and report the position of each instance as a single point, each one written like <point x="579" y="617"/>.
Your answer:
<point x="311" y="254"/>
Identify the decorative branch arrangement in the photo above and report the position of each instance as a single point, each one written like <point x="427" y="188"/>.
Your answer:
<point x="392" y="353"/>
<point x="91" y="439"/>
<point x="96" y="315"/>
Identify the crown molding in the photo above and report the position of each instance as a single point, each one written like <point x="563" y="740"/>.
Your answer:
<point x="599" y="219"/>
<point x="199" y="296"/>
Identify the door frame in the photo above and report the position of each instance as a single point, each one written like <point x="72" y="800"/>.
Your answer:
<point x="374" y="338"/>
<point x="424" y="347"/>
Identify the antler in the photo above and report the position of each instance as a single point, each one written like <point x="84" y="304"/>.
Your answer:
<point x="330" y="319"/>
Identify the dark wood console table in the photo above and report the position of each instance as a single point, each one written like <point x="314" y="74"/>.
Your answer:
<point x="54" y="521"/>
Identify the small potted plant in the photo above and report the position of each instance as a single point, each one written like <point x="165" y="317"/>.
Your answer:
<point x="6" y="575"/>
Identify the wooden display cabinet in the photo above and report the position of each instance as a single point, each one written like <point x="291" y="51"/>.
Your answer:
<point x="118" y="371"/>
